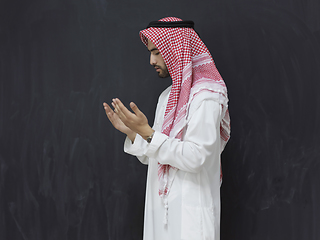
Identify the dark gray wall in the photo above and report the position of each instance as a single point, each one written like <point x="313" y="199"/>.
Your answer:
<point x="63" y="173"/>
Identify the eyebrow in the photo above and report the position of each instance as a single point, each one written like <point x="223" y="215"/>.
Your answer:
<point x="153" y="49"/>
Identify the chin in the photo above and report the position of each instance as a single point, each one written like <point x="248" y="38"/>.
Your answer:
<point x="163" y="75"/>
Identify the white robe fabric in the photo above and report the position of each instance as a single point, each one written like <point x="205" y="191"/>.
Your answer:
<point x="194" y="198"/>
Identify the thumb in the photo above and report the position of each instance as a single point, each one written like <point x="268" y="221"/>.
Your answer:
<point x="135" y="108"/>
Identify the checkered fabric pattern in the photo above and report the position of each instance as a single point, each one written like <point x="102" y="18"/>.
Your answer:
<point x="192" y="69"/>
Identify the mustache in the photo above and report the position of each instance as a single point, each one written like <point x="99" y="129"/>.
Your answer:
<point x="156" y="66"/>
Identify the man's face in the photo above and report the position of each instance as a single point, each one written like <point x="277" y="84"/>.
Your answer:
<point x="157" y="61"/>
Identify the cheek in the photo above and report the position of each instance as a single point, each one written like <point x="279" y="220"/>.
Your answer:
<point x="163" y="64"/>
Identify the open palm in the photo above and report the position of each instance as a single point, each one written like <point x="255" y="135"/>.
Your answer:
<point x="115" y="120"/>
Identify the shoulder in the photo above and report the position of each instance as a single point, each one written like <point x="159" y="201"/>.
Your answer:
<point x="206" y="101"/>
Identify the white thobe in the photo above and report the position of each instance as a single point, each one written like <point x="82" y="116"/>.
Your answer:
<point x="194" y="198"/>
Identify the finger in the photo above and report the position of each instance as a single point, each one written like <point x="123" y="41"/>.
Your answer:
<point x="107" y="108"/>
<point x="110" y="113"/>
<point x="135" y="108"/>
<point x="112" y="116"/>
<point x="114" y="106"/>
<point x="122" y="108"/>
<point x="118" y="111"/>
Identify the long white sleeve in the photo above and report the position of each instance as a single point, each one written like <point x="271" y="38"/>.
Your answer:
<point x="201" y="139"/>
<point x="137" y="148"/>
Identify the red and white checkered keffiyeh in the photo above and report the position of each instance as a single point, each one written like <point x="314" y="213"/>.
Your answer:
<point x="193" y="74"/>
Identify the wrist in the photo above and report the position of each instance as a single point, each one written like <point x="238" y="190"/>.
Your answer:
<point x="132" y="136"/>
<point x="147" y="133"/>
<point x="149" y="139"/>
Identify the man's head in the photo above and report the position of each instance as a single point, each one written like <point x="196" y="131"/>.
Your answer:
<point x="157" y="61"/>
<point x="177" y="42"/>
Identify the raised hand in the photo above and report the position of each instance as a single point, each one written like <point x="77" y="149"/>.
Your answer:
<point x="136" y="121"/>
<point x="117" y="123"/>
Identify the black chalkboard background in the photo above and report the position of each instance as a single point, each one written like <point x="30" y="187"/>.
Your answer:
<point x="63" y="173"/>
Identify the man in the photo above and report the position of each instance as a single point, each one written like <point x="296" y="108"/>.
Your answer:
<point x="183" y="147"/>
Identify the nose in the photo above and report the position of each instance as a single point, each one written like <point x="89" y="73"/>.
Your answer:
<point x="152" y="60"/>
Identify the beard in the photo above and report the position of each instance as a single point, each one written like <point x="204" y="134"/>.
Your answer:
<point x="164" y="73"/>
